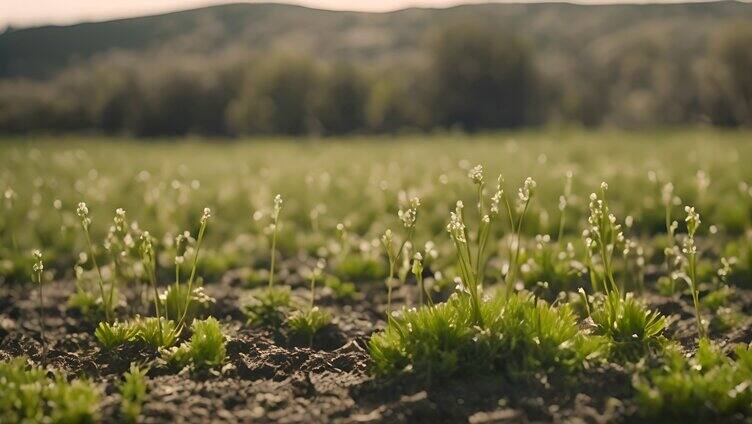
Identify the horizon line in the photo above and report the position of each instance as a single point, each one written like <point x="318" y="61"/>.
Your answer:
<point x="307" y="4"/>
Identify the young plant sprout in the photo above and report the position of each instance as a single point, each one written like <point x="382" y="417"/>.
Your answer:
<point x="112" y="335"/>
<point x="274" y="226"/>
<point x="133" y="393"/>
<point x="563" y="203"/>
<point x="199" y="241"/>
<point x="38" y="395"/>
<point x="603" y="236"/>
<point x="117" y="244"/>
<point x="268" y="307"/>
<point x="344" y="242"/>
<point x="205" y="349"/>
<point x="307" y="323"/>
<point x="408" y="218"/>
<point x="9" y="196"/>
<point x="670" y="252"/>
<point x="38" y="277"/>
<point x="417" y="270"/>
<point x="471" y="266"/>
<point x="630" y="327"/>
<point x="184" y="297"/>
<point x="83" y="214"/>
<point x="149" y="260"/>
<point x="690" y="252"/>
<point x="468" y="277"/>
<point x="524" y="196"/>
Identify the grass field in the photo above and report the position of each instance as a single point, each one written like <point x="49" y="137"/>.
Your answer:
<point x="641" y="317"/>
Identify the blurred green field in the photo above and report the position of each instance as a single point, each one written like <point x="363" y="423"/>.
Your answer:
<point x="359" y="182"/>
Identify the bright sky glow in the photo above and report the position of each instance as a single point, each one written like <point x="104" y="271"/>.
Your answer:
<point x="41" y="12"/>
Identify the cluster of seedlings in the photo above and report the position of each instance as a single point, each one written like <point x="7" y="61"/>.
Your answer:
<point x="484" y="305"/>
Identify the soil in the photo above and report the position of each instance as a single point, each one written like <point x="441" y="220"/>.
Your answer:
<point x="270" y="377"/>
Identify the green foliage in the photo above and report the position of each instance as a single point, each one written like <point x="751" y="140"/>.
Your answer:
<point x="307" y="323"/>
<point x="133" y="393"/>
<point x="207" y="343"/>
<point x="28" y="395"/>
<point x="85" y="302"/>
<point x="75" y="402"/>
<point x="638" y="77"/>
<point x="628" y="325"/>
<point x="359" y="268"/>
<point x="706" y="387"/>
<point x="278" y="97"/>
<point x="340" y="290"/>
<point x="176" y="297"/>
<point x="344" y="92"/>
<point x="546" y="263"/>
<point x="116" y="334"/>
<point x="726" y="319"/>
<point x="156" y="332"/>
<point x="205" y="349"/>
<point x="519" y="335"/>
<point x="498" y="76"/>
<point x="87" y="299"/>
<point x="177" y="356"/>
<point x="268" y="307"/>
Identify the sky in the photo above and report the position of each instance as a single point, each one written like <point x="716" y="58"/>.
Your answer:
<point x="21" y="13"/>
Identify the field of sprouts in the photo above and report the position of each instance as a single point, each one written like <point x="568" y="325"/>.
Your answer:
<point x="513" y="277"/>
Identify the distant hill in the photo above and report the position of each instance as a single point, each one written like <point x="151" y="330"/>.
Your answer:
<point x="558" y="29"/>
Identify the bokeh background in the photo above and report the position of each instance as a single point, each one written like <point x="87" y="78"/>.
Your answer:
<point x="278" y="69"/>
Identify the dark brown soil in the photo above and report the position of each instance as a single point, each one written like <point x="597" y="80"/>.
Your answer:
<point x="270" y="377"/>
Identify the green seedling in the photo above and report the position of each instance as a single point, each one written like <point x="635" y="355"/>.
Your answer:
<point x="306" y="323"/>
<point x="207" y="343"/>
<point x="29" y="395"/>
<point x="690" y="252"/>
<point x="38" y="277"/>
<point x="115" y="334"/>
<point x="133" y="393"/>
<point x="107" y="300"/>
<point x="708" y="387"/>
<point x="630" y="327"/>
<point x="408" y="217"/>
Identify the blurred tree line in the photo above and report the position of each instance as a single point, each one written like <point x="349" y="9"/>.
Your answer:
<point x="474" y="77"/>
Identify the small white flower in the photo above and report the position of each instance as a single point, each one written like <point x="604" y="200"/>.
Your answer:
<point x="206" y="215"/>
<point x="476" y="174"/>
<point x="82" y="210"/>
<point x="83" y="213"/>
<point x="456" y="227"/>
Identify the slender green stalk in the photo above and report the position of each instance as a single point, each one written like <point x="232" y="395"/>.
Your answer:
<point x="83" y="214"/>
<point x="418" y="272"/>
<point x="273" y="256"/>
<point x="690" y="250"/>
<point x="393" y="258"/>
<point x="38" y="269"/>
<point x="514" y="265"/>
<point x="695" y="295"/>
<point x="389" y="283"/>
<point x="408" y="218"/>
<point x="563" y="203"/>
<point x="199" y="241"/>
<point x="667" y="197"/>
<point x="100" y="280"/>
<point x="275" y="226"/>
<point x="317" y="271"/>
<point x="148" y="259"/>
